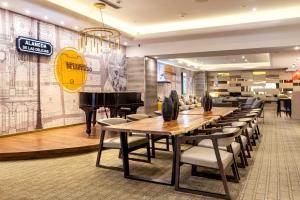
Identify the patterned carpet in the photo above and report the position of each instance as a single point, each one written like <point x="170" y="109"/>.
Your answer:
<point x="273" y="173"/>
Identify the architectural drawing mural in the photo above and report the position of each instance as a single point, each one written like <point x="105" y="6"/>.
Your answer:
<point x="18" y="76"/>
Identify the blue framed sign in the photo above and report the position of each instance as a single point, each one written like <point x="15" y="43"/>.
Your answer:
<point x="33" y="46"/>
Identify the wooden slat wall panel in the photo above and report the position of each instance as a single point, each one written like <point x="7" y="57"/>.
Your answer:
<point x="136" y="77"/>
<point x="200" y="83"/>
<point x="150" y="86"/>
<point x="135" y="74"/>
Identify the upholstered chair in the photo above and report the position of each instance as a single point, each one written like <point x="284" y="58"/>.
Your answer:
<point x="134" y="142"/>
<point x="204" y="157"/>
<point x="154" y="138"/>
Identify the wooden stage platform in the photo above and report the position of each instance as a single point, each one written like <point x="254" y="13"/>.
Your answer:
<point x="49" y="143"/>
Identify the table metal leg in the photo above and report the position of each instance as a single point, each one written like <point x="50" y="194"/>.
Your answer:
<point x="175" y="152"/>
<point x="124" y="146"/>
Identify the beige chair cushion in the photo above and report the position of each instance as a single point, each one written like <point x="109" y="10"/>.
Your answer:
<point x="133" y="141"/>
<point x="251" y="114"/>
<point x="244" y="140"/>
<point x="137" y="116"/>
<point x="250" y="131"/>
<point x="205" y="157"/>
<point x="256" y="109"/>
<point x="236" y="147"/>
<point x="113" y="121"/>
<point x="228" y="130"/>
<point x="245" y="119"/>
<point x="227" y="140"/>
<point x="238" y="124"/>
<point x="253" y="125"/>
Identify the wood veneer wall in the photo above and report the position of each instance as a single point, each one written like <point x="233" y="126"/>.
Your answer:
<point x="200" y="81"/>
<point x="150" y="85"/>
<point x="136" y="76"/>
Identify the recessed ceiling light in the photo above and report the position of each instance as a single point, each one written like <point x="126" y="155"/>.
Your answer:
<point x="76" y="27"/>
<point x="45" y="17"/>
<point x="125" y="43"/>
<point x="254" y="9"/>
<point x="62" y="22"/>
<point x="243" y="57"/>
<point x="27" y="11"/>
<point x="297" y="48"/>
<point x="5" y="4"/>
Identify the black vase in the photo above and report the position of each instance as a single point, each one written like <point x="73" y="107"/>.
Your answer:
<point x="206" y="102"/>
<point x="175" y="101"/>
<point x="167" y="109"/>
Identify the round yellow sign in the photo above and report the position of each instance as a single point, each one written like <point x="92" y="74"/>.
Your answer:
<point x="70" y="69"/>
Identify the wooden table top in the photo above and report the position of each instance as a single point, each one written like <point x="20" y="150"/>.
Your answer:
<point x="215" y="111"/>
<point x="158" y="126"/>
<point x="188" y="120"/>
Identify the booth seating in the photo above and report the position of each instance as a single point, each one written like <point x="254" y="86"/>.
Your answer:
<point x="187" y="103"/>
<point x="134" y="142"/>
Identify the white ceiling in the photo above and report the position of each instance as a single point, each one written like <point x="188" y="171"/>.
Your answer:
<point x="221" y="63"/>
<point x="149" y="12"/>
<point x="146" y="19"/>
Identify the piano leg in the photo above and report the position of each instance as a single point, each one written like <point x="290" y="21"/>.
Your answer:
<point x="134" y="110"/>
<point x="88" y="115"/>
<point x="94" y="117"/>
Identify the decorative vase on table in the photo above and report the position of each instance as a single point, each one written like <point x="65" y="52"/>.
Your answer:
<point x="175" y="101"/>
<point x="206" y="102"/>
<point x="167" y="109"/>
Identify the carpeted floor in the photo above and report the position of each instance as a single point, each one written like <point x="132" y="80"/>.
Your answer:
<point x="273" y="173"/>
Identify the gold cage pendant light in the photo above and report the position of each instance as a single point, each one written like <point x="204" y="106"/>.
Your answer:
<point x="92" y="38"/>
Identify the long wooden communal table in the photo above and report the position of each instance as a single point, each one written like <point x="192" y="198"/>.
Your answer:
<point x="157" y="126"/>
<point x="215" y="111"/>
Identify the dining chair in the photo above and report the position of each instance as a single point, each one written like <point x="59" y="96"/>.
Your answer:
<point x="134" y="142"/>
<point x="238" y="146"/>
<point x="212" y="158"/>
<point x="247" y="131"/>
<point x="154" y="138"/>
<point x="250" y="119"/>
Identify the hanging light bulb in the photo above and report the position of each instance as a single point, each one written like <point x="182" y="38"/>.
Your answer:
<point x="100" y="33"/>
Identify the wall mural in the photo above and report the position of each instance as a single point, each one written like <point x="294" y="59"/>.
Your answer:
<point x="18" y="76"/>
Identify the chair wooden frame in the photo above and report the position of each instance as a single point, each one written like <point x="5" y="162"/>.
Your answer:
<point x="236" y="117"/>
<point x="219" y="128"/>
<point x="130" y="149"/>
<point x="214" y="138"/>
<point x="155" y="138"/>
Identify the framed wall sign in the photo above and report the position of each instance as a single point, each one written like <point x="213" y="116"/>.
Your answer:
<point x="33" y="46"/>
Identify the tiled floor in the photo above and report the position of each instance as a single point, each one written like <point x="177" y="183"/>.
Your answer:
<point x="273" y="173"/>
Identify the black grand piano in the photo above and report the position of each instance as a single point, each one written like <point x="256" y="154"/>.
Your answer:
<point x="114" y="101"/>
